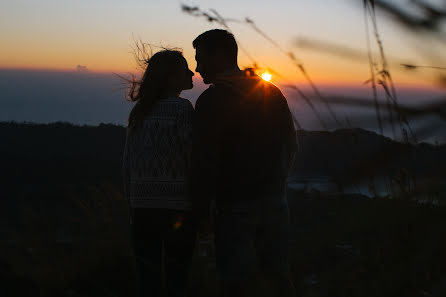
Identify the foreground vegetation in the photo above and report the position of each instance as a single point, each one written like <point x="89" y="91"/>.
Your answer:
<point x="65" y="226"/>
<point x="339" y="246"/>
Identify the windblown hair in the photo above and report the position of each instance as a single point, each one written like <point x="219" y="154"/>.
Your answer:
<point x="218" y="39"/>
<point x="153" y="85"/>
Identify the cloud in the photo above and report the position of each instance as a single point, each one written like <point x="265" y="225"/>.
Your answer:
<point x="81" y="69"/>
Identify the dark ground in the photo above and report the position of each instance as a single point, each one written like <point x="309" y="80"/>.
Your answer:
<point x="64" y="223"/>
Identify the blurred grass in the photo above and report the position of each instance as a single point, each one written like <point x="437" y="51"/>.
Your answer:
<point x="340" y="246"/>
<point x="368" y="247"/>
<point x="95" y="259"/>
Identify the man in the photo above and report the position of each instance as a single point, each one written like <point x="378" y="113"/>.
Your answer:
<point x="244" y="143"/>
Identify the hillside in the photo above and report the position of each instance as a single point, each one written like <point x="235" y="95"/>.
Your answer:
<point x="65" y="230"/>
<point x="63" y="153"/>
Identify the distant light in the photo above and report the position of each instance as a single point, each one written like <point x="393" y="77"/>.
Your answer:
<point x="177" y="225"/>
<point x="266" y="76"/>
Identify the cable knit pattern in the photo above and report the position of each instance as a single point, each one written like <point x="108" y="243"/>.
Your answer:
<point x="157" y="157"/>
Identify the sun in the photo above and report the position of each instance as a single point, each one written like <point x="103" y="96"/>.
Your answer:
<point x="266" y="76"/>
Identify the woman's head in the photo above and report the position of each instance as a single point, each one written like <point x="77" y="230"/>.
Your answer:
<point x="166" y="74"/>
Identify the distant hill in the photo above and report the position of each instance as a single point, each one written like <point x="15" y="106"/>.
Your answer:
<point x="342" y="153"/>
<point x="48" y="166"/>
<point x="106" y="142"/>
<point x="44" y="167"/>
<point x="62" y="152"/>
<point x="61" y="140"/>
<point x="354" y="153"/>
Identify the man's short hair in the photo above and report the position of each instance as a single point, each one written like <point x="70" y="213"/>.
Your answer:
<point x="218" y="39"/>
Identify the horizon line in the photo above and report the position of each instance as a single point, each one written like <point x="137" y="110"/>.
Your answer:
<point x="282" y="83"/>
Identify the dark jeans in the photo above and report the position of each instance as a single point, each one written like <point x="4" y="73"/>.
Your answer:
<point x="252" y="239"/>
<point x="164" y="242"/>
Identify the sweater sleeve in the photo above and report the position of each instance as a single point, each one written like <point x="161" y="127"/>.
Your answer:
<point x="205" y="152"/>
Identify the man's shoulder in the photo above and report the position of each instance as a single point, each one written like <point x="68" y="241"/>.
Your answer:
<point x="272" y="89"/>
<point x="208" y="96"/>
<point x="209" y="92"/>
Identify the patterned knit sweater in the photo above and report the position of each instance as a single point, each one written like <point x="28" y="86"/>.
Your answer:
<point x="157" y="157"/>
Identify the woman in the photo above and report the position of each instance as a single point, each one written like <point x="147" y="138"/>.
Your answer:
<point x="156" y="162"/>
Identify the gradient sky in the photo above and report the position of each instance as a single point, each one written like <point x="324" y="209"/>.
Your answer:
<point x="99" y="34"/>
<point x="43" y="42"/>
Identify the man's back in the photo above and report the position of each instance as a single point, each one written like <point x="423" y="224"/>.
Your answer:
<point x="244" y="140"/>
<point x="244" y="144"/>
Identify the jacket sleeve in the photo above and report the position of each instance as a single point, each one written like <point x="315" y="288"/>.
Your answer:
<point x="205" y="156"/>
<point x="287" y="133"/>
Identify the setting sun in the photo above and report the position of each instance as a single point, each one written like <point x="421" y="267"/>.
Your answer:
<point x="266" y="76"/>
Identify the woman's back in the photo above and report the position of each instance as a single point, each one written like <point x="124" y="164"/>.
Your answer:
<point x="156" y="165"/>
<point x="157" y="157"/>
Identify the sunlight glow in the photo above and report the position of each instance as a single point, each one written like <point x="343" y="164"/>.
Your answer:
<point x="266" y="76"/>
<point x="177" y="225"/>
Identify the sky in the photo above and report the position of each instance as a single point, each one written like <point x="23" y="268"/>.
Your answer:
<point x="99" y="34"/>
<point x="78" y="45"/>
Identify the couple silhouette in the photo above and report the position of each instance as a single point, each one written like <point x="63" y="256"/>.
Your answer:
<point x="234" y="151"/>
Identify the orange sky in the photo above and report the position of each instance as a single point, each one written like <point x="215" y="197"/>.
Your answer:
<point x="99" y="35"/>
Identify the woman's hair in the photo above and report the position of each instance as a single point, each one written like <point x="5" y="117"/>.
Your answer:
<point x="153" y="85"/>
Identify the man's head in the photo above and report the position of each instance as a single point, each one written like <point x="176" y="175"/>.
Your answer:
<point x="216" y="51"/>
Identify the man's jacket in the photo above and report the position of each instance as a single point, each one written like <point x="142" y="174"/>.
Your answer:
<point x="244" y="142"/>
